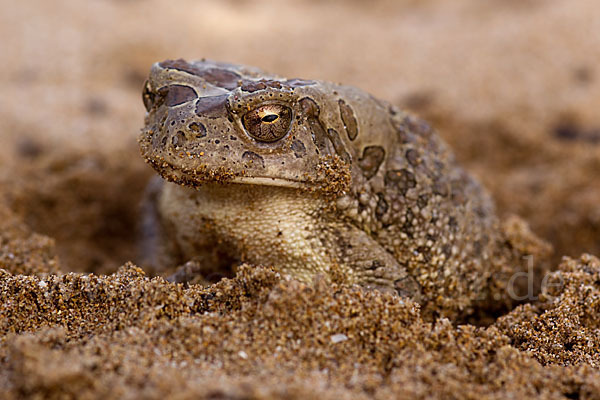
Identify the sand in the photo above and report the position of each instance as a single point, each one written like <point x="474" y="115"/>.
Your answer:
<point x="513" y="86"/>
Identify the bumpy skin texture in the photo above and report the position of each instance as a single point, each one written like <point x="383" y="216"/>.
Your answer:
<point x="314" y="178"/>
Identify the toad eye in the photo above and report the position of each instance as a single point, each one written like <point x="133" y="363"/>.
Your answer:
<point x="268" y="123"/>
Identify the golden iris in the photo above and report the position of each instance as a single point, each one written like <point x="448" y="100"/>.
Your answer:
<point x="268" y="123"/>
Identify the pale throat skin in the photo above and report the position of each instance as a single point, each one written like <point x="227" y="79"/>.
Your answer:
<point x="258" y="224"/>
<point x="312" y="178"/>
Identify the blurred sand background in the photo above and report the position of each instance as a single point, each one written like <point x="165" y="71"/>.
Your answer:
<point x="513" y="86"/>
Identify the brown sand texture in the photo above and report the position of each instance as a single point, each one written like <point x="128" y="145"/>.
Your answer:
<point x="513" y="86"/>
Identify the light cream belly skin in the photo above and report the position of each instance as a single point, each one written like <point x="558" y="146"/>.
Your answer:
<point x="261" y="225"/>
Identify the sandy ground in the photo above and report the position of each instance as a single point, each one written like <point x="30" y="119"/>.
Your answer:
<point x="513" y="86"/>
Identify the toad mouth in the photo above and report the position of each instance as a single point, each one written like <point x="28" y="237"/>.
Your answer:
<point x="222" y="175"/>
<point x="268" y="181"/>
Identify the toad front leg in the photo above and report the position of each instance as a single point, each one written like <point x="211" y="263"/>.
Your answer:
<point x="173" y="243"/>
<point x="368" y="264"/>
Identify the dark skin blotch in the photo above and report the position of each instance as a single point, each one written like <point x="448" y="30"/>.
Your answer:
<point x="339" y="147"/>
<point x="349" y="120"/>
<point x="298" y="82"/>
<point x="310" y="111"/>
<point x="179" y="139"/>
<point x="401" y="179"/>
<point x="371" y="160"/>
<point x="298" y="148"/>
<point x="212" y="106"/>
<point x="401" y="127"/>
<point x="382" y="206"/>
<point x="441" y="188"/>
<point x="179" y="94"/>
<point x="408" y="227"/>
<point x="253" y="86"/>
<point x="309" y="107"/>
<point x="198" y="129"/>
<point x="412" y="156"/>
<point x="252" y="157"/>
<point x="180" y="65"/>
<point x="221" y="77"/>
<point x="216" y="76"/>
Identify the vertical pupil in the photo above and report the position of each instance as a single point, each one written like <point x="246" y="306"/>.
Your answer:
<point x="269" y="118"/>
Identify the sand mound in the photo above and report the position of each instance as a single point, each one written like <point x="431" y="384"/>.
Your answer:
<point x="261" y="336"/>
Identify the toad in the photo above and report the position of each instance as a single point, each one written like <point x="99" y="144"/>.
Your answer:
<point x="314" y="178"/>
